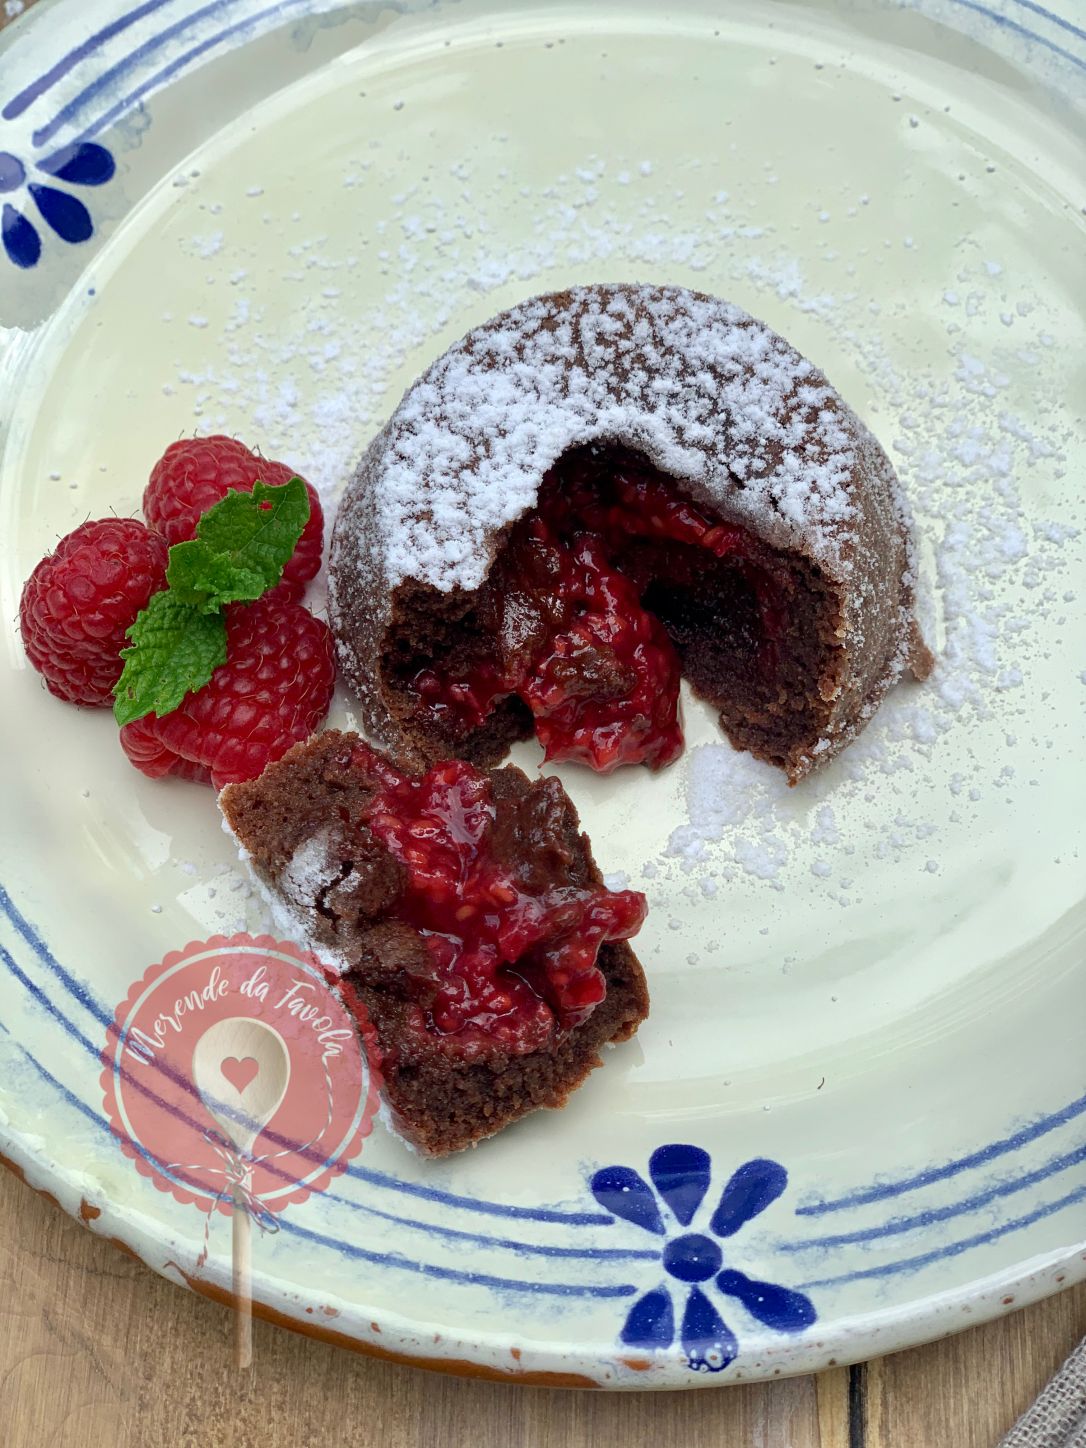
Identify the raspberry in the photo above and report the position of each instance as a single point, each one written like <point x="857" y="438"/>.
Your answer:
<point x="272" y="692"/>
<point x="508" y="958"/>
<point x="81" y="598"/>
<point x="194" y="474"/>
<point x="597" y="669"/>
<point x="604" y="689"/>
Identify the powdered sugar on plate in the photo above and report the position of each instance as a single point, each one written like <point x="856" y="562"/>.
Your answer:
<point x="965" y="399"/>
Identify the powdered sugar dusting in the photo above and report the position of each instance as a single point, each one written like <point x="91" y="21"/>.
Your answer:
<point x="996" y="579"/>
<point x="290" y="903"/>
<point x="714" y="398"/>
<point x="966" y="398"/>
<point x="709" y="394"/>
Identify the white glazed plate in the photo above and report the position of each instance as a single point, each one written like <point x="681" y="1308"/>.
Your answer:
<point x="868" y="992"/>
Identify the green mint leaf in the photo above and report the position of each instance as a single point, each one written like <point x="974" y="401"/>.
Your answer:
<point x="175" y="649"/>
<point x="241" y="547"/>
<point x="208" y="581"/>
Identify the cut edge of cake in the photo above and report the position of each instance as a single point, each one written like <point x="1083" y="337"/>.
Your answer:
<point x="463" y="456"/>
<point x="435" y="1104"/>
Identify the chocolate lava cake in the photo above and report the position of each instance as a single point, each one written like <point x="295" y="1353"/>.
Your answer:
<point x="597" y="492"/>
<point x="469" y="916"/>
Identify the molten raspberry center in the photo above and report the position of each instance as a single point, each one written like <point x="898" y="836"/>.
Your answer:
<point x="506" y="964"/>
<point x="573" y="640"/>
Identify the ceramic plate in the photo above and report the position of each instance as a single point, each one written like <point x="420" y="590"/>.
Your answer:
<point x="869" y="991"/>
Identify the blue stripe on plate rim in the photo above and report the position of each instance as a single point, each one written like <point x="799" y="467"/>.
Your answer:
<point x="94" y="42"/>
<point x="250" y="23"/>
<point x="381" y="1259"/>
<point x="69" y="217"/>
<point x="870" y="1193"/>
<point x="87" y="48"/>
<point x="284" y="7"/>
<point x="72" y="110"/>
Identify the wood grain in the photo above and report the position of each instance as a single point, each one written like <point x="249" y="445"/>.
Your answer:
<point x="10" y="10"/>
<point x="95" y="1349"/>
<point x="991" y="1373"/>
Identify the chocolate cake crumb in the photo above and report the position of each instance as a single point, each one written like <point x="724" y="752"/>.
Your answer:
<point x="746" y="429"/>
<point x="301" y="830"/>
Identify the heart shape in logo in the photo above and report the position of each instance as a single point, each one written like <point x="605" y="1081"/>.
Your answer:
<point x="240" y="1073"/>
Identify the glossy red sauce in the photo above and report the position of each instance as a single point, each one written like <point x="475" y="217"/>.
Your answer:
<point x="508" y="964"/>
<point x="595" y="667"/>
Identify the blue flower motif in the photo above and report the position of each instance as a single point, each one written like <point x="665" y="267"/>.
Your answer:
<point x="681" y="1176"/>
<point x="84" y="163"/>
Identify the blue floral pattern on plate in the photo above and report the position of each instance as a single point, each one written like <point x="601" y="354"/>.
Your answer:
<point x="681" y="1176"/>
<point x="84" y="163"/>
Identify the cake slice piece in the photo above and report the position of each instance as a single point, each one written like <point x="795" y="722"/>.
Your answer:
<point x="603" y="490"/>
<point x="468" y="916"/>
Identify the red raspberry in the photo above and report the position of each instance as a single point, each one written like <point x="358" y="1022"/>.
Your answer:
<point x="194" y="474"/>
<point x="273" y="690"/>
<point x="81" y="598"/>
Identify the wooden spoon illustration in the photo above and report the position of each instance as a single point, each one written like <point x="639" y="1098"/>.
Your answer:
<point x="241" y="1068"/>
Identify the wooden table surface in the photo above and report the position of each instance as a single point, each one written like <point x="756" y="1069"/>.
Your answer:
<point x="96" y="1350"/>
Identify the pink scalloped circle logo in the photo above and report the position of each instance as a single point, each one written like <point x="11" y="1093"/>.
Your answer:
<point x="234" y="1075"/>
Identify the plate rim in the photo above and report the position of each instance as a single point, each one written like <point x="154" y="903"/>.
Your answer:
<point x="978" y="1301"/>
<point x="25" y="1161"/>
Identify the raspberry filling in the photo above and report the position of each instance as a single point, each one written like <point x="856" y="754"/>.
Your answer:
<point x="598" y="672"/>
<point x="573" y="640"/>
<point x="510" y="954"/>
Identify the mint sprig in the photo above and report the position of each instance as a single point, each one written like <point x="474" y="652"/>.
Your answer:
<point x="175" y="649"/>
<point x="241" y="547"/>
